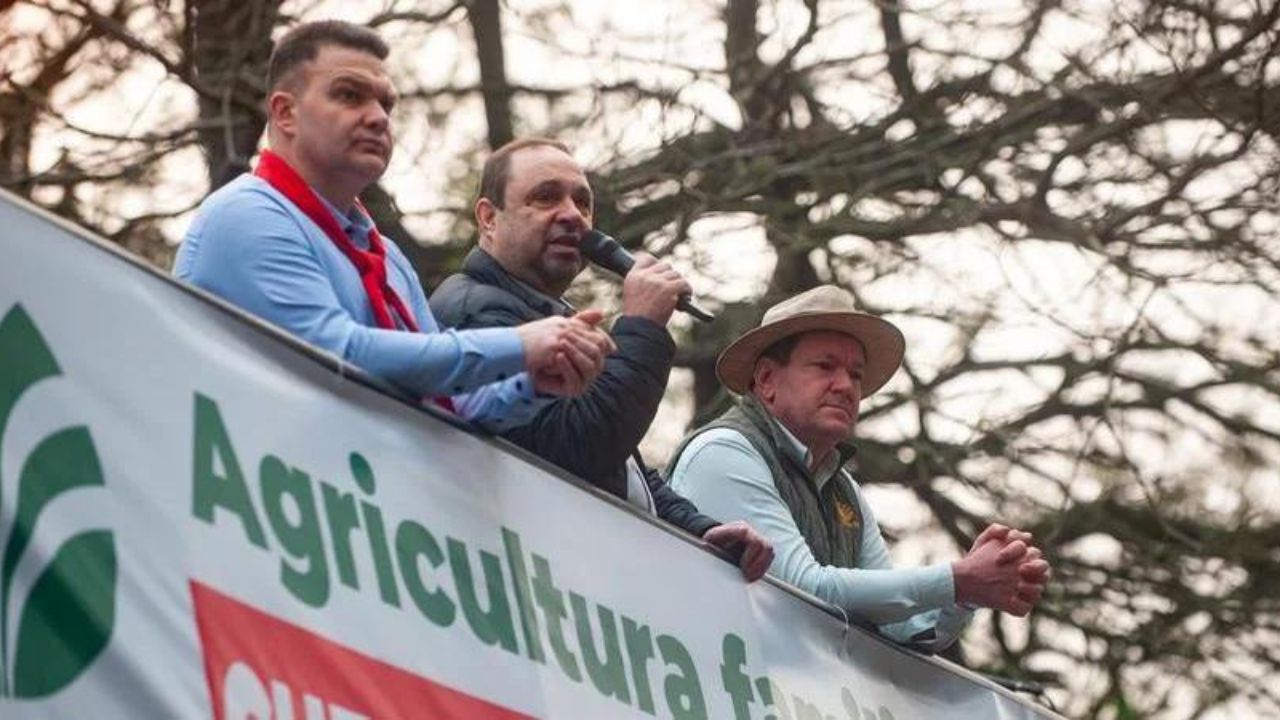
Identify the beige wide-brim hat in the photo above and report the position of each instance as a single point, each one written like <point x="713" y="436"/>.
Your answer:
<point x="825" y="307"/>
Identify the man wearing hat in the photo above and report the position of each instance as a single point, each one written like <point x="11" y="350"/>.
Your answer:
<point x="776" y="460"/>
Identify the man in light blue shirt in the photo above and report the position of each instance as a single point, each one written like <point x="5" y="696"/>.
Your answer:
<point x="292" y="244"/>
<point x="777" y="461"/>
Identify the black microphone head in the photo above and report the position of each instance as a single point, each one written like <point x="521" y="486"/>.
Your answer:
<point x="606" y="252"/>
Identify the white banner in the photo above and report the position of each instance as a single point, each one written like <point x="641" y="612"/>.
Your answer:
<point x="198" y="519"/>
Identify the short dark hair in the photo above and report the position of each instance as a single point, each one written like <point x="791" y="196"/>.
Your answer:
<point x="497" y="168"/>
<point x="301" y="45"/>
<point x="780" y="351"/>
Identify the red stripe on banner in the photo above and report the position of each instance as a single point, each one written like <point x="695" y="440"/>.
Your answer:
<point x="260" y="667"/>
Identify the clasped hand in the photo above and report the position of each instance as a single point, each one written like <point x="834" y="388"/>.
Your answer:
<point x="1002" y="571"/>
<point x="565" y="355"/>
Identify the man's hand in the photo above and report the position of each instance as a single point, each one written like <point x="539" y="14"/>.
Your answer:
<point x="565" y="355"/>
<point x="1002" y="571"/>
<point x="753" y="551"/>
<point x="652" y="289"/>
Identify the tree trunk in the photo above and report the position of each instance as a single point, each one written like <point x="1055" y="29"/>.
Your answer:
<point x="230" y="46"/>
<point x="485" y="17"/>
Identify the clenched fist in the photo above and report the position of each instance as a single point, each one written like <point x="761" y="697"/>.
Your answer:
<point x="753" y="551"/>
<point x="652" y="289"/>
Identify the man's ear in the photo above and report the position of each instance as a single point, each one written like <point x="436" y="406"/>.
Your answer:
<point x="486" y="218"/>
<point x="763" y="378"/>
<point x="281" y="112"/>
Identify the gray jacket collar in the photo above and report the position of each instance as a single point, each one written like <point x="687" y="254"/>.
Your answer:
<point x="481" y="267"/>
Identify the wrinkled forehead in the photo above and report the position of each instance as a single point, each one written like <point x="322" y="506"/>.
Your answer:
<point x="538" y="164"/>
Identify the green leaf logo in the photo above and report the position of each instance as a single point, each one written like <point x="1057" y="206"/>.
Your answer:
<point x="57" y="604"/>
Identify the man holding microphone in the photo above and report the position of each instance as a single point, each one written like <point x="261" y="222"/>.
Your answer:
<point x="534" y="209"/>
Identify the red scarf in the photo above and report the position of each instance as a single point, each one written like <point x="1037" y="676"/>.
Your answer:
<point x="371" y="263"/>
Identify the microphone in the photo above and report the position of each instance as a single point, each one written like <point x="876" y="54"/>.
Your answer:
<point x="610" y="255"/>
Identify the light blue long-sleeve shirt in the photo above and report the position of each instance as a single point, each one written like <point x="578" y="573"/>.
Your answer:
<point x="252" y="246"/>
<point x="724" y="475"/>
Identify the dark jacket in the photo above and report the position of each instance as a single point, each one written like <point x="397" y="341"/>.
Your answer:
<point x="590" y="435"/>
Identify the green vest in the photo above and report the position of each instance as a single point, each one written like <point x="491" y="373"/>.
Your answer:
<point x="830" y="520"/>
